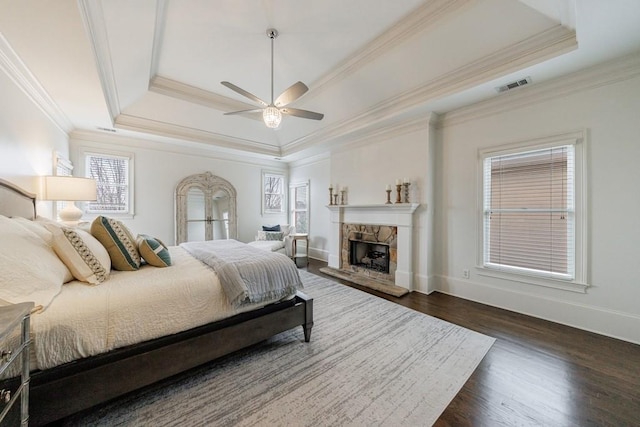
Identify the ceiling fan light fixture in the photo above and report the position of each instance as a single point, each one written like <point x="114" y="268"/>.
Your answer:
<point x="272" y="117"/>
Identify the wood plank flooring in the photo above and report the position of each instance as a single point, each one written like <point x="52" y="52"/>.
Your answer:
<point x="538" y="372"/>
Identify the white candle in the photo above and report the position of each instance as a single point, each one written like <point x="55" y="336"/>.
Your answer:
<point x="388" y="187"/>
<point x="406" y="180"/>
<point x="398" y="182"/>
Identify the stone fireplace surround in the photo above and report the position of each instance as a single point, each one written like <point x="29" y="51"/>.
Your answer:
<point x="398" y="216"/>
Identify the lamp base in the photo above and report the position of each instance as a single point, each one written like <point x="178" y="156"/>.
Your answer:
<point x="70" y="215"/>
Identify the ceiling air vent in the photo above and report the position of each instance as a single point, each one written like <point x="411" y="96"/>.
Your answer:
<point x="514" y="85"/>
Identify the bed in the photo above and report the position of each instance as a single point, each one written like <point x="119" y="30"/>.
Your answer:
<point x="133" y="355"/>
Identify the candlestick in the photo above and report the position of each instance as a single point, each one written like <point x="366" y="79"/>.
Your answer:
<point x="406" y="192"/>
<point x="330" y="195"/>
<point x="388" y="190"/>
<point x="399" y="193"/>
<point x="335" y="199"/>
<point x="342" y="196"/>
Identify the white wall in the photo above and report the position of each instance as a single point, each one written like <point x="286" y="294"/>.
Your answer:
<point x="158" y="169"/>
<point x="317" y="172"/>
<point x="366" y="168"/>
<point x="610" y="115"/>
<point x="28" y="140"/>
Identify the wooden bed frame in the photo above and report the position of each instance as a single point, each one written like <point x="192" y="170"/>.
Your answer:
<point x="64" y="390"/>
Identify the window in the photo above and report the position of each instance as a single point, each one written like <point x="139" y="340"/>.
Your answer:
<point x="299" y="205"/>
<point x="114" y="176"/>
<point x="61" y="167"/>
<point x="273" y="197"/>
<point x="530" y="222"/>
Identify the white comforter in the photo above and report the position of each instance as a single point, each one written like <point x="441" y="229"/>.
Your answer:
<point x="128" y="308"/>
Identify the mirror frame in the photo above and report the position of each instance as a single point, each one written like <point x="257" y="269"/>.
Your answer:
<point x="209" y="184"/>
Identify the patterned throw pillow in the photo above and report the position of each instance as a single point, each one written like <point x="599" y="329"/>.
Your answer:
<point x="153" y="251"/>
<point x="87" y="259"/>
<point x="274" y="235"/>
<point x="118" y="241"/>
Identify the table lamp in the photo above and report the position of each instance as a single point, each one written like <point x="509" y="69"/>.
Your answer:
<point x="69" y="189"/>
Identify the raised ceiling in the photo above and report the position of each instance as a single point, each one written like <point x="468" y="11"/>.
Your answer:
<point x="152" y="68"/>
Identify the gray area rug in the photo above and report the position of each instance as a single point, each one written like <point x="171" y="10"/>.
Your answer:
<point x="370" y="362"/>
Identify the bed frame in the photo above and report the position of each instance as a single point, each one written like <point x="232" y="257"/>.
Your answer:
<point x="64" y="390"/>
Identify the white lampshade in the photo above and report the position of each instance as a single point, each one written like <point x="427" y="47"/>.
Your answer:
<point x="69" y="189"/>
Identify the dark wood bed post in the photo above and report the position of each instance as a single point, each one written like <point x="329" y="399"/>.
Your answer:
<point x="308" y="315"/>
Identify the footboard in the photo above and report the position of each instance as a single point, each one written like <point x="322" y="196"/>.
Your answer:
<point x="70" y="388"/>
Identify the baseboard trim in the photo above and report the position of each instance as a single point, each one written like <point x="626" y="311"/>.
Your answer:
<point x="614" y="324"/>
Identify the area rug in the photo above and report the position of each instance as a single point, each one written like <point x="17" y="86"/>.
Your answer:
<point x="370" y="362"/>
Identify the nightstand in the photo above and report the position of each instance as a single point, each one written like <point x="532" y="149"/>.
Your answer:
<point x="14" y="357"/>
<point x="294" y="245"/>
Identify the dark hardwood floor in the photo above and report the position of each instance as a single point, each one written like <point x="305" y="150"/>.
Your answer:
<point x="538" y="372"/>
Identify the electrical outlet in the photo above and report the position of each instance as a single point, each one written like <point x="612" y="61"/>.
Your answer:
<point x="465" y="273"/>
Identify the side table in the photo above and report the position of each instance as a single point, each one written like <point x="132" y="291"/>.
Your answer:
<point x="294" y="245"/>
<point x="14" y="356"/>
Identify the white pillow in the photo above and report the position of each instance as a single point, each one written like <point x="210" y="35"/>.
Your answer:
<point x="85" y="256"/>
<point x="39" y="228"/>
<point x="31" y="271"/>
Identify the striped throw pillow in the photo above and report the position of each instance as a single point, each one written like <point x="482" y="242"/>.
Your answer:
<point x="118" y="241"/>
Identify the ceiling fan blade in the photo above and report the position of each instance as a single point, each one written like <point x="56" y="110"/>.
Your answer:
<point x="253" y="110"/>
<point x="244" y="93"/>
<point x="292" y="93"/>
<point x="305" y="114"/>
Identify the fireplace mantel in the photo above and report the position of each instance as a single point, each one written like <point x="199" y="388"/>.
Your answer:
<point x="397" y="214"/>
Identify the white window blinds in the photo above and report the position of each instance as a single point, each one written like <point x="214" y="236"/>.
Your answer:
<point x="529" y="212"/>
<point x="112" y="180"/>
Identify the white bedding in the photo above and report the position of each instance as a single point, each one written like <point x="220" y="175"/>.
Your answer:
<point x="130" y="307"/>
<point x="268" y="245"/>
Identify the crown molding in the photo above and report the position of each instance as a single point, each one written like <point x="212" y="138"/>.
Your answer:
<point x="154" y="127"/>
<point x="110" y="140"/>
<point x="158" y="36"/>
<point x="420" y="19"/>
<point x="549" y="43"/>
<point x="311" y="160"/>
<point x="176" y="89"/>
<point x="94" y="23"/>
<point x="22" y="77"/>
<point x="596" y="76"/>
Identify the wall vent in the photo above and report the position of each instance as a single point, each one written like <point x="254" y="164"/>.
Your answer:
<point x="514" y="84"/>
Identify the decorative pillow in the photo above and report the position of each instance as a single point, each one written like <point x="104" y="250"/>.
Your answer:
<point x="118" y="241"/>
<point x="262" y="235"/>
<point x="274" y="235"/>
<point x="85" y="256"/>
<point x="31" y="270"/>
<point x="271" y="227"/>
<point x="153" y="251"/>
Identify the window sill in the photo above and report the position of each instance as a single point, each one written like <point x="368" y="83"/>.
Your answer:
<point x="547" y="282"/>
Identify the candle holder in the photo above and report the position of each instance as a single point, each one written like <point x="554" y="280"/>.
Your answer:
<point x="342" y="197"/>
<point x="399" y="193"/>
<point x="406" y="192"/>
<point x="335" y="199"/>
<point x="330" y="195"/>
<point x="388" y="202"/>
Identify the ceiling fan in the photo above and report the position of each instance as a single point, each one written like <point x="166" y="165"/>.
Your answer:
<point x="272" y="113"/>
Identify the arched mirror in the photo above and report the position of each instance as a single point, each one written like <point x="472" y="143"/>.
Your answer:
<point x="205" y="209"/>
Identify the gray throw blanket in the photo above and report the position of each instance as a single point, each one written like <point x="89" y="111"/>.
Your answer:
<point x="247" y="274"/>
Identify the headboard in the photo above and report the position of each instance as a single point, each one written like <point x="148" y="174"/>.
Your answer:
<point x="15" y="201"/>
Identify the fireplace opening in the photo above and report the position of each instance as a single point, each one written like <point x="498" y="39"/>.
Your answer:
<point x="370" y="255"/>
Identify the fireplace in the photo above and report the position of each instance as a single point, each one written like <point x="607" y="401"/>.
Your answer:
<point x="369" y="255"/>
<point x="386" y="231"/>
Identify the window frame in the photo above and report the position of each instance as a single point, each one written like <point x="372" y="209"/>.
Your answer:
<point x="579" y="283"/>
<point x="283" y="192"/>
<point x="61" y="167"/>
<point x="292" y="207"/>
<point x="85" y="153"/>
